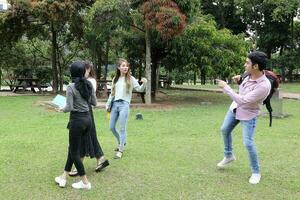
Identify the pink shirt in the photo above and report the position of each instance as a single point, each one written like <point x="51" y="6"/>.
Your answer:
<point x="251" y="95"/>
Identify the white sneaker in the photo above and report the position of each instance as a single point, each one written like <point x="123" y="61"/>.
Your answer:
<point x="226" y="160"/>
<point x="255" y="178"/>
<point x="81" y="185"/>
<point x="60" y="181"/>
<point x="118" y="155"/>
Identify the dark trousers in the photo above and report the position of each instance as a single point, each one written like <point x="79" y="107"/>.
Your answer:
<point x="80" y="125"/>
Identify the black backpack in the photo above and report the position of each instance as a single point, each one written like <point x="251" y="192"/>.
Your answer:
<point x="274" y="80"/>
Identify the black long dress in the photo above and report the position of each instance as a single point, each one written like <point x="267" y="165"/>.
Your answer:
<point x="90" y="145"/>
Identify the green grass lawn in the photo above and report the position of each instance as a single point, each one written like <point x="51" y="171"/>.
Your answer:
<point x="171" y="154"/>
<point x="285" y="87"/>
<point x="290" y="87"/>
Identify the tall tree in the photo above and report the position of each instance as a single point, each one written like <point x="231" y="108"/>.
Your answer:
<point x="46" y="16"/>
<point x="165" y="18"/>
<point x="205" y="49"/>
<point x="269" y="22"/>
<point x="104" y="21"/>
<point x="225" y="14"/>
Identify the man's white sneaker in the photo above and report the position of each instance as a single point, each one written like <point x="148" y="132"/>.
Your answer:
<point x="255" y="178"/>
<point x="60" y="181"/>
<point x="81" y="185"/>
<point x="226" y="160"/>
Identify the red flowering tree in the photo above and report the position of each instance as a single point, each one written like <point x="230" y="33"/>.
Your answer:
<point x="165" y="18"/>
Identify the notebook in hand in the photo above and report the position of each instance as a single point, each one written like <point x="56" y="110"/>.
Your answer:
<point x="59" y="101"/>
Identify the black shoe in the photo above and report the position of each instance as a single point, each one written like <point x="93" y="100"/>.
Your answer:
<point x="101" y="166"/>
<point x="73" y="173"/>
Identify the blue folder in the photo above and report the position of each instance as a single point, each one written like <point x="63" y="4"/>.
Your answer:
<point x="59" y="101"/>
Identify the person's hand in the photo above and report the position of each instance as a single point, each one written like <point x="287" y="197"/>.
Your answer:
<point x="58" y="110"/>
<point x="236" y="78"/>
<point x="144" y="80"/>
<point x="107" y="108"/>
<point x="221" y="83"/>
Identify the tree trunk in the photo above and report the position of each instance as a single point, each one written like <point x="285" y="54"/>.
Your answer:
<point x="140" y="69"/>
<point x="195" y="77"/>
<point x="282" y="67"/>
<point x="54" y="62"/>
<point x="61" y="82"/>
<point x="106" y="59"/>
<point x="269" y="52"/>
<point x="157" y="78"/>
<point x="290" y="75"/>
<point x="292" y="30"/>
<point x="221" y="10"/>
<point x="99" y="64"/>
<point x="154" y="67"/>
<point x="148" y="67"/>
<point x="203" y="75"/>
<point x="0" y="78"/>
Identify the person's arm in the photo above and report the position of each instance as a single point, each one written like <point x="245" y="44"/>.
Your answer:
<point x="110" y="98"/>
<point x="137" y="86"/>
<point x="94" y="83"/>
<point x="250" y="97"/>
<point x="93" y="98"/>
<point x="108" y="102"/>
<point x="70" y="100"/>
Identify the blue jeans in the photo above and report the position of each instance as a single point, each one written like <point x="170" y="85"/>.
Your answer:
<point x="248" y="127"/>
<point x="120" y="110"/>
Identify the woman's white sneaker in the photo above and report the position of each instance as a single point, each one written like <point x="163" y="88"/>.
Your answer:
<point x="60" y="181"/>
<point x="81" y="185"/>
<point x="118" y="155"/>
<point x="226" y="160"/>
<point x="254" y="179"/>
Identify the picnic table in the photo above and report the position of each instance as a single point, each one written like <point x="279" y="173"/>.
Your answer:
<point x="26" y="83"/>
<point x="105" y="86"/>
<point x="164" y="81"/>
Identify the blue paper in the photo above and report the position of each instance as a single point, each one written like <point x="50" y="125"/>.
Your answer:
<point x="59" y="101"/>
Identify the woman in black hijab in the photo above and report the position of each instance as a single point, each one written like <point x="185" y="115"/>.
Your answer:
<point x="80" y="96"/>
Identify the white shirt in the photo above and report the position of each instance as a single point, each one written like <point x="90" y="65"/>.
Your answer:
<point x="93" y="82"/>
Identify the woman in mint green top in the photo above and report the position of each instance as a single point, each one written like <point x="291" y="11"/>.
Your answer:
<point x="120" y="98"/>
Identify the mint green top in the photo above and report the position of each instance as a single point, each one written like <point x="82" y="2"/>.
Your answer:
<point x="121" y="90"/>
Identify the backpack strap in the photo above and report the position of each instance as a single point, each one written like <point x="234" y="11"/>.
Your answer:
<point x="242" y="78"/>
<point x="267" y="102"/>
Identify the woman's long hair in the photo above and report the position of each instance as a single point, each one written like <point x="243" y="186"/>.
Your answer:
<point x="89" y="65"/>
<point x="118" y="74"/>
<point x="84" y="87"/>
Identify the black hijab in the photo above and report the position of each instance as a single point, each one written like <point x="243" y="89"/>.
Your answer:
<point x="84" y="87"/>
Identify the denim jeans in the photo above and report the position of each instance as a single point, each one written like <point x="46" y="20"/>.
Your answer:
<point x="248" y="127"/>
<point x="120" y="110"/>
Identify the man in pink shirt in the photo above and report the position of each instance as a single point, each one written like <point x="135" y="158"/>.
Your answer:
<point x="245" y="109"/>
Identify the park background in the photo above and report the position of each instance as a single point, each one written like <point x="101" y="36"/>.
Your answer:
<point x="181" y="47"/>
